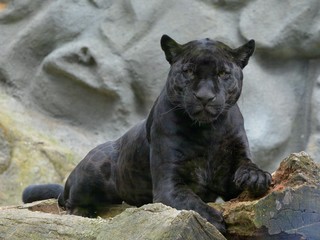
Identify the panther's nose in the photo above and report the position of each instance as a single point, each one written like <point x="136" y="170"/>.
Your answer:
<point x="205" y="97"/>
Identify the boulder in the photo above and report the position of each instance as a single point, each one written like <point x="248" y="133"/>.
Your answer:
<point x="290" y="210"/>
<point x="154" y="221"/>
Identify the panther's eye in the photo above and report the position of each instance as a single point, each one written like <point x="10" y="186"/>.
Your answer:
<point x="188" y="72"/>
<point x="223" y="74"/>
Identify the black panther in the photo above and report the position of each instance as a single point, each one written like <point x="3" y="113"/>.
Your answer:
<point x="191" y="149"/>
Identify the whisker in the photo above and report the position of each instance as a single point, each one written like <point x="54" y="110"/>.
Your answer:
<point x="172" y="109"/>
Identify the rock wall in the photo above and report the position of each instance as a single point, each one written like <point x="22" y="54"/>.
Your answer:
<point x="74" y="74"/>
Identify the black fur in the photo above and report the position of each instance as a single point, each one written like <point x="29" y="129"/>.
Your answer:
<point x="191" y="149"/>
<point x="43" y="191"/>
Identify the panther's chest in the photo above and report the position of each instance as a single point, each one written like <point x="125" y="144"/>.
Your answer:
<point x="207" y="170"/>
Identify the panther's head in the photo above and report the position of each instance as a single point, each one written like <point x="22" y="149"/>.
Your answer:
<point x="205" y="77"/>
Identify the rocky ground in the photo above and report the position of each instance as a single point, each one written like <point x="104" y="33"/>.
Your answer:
<point x="290" y="210"/>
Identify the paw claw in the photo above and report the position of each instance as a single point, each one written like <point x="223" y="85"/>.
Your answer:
<point x="252" y="178"/>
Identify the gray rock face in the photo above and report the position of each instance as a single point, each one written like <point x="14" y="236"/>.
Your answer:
<point x="74" y="74"/>
<point x="286" y="29"/>
<point x="314" y="140"/>
<point x="5" y="152"/>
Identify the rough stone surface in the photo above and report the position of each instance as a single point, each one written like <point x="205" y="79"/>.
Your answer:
<point x="290" y="210"/>
<point x="154" y="221"/>
<point x="314" y="143"/>
<point x="74" y="74"/>
<point x="5" y="152"/>
<point x="287" y="28"/>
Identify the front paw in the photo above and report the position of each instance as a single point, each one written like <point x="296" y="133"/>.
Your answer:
<point x="250" y="177"/>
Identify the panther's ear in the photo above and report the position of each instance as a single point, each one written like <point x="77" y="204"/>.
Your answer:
<point x="170" y="47"/>
<point x="243" y="53"/>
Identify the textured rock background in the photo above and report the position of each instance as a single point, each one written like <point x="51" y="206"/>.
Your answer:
<point x="74" y="74"/>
